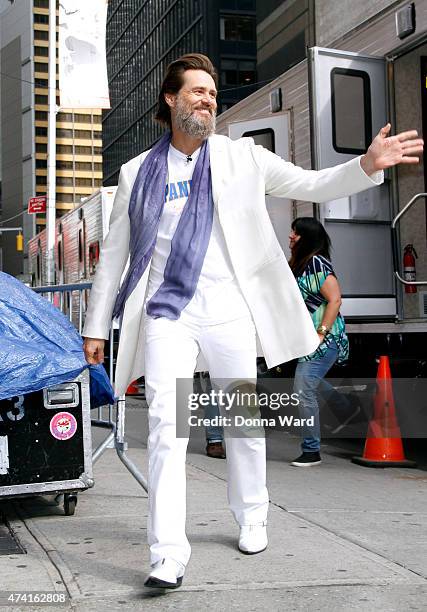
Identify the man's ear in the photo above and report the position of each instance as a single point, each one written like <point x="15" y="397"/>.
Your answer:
<point x="170" y="100"/>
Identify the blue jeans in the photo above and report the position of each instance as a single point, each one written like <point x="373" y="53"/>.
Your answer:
<point x="214" y="433"/>
<point x="309" y="382"/>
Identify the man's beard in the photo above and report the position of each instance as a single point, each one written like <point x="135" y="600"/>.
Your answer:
<point x="196" y="126"/>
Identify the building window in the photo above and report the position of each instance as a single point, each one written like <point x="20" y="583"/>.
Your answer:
<point x="41" y="4"/>
<point x="41" y="51"/>
<point x="81" y="245"/>
<point x="263" y="137"/>
<point x="93" y="256"/>
<point x="88" y="166"/>
<point x="41" y="18"/>
<point x="64" y="165"/>
<point x="60" y="255"/>
<point x="64" y="197"/>
<point x="69" y="181"/>
<point x="41" y="131"/>
<point x="65" y="149"/>
<point x="84" y="182"/>
<point x="237" y="72"/>
<point x="39" y="269"/>
<point x="65" y="117"/>
<point x="41" y="35"/>
<point x="237" y="27"/>
<point x="78" y="150"/>
<point x="64" y="181"/>
<point x="87" y="118"/>
<point x="40" y="99"/>
<point x="83" y="134"/>
<point x="351" y="110"/>
<point x="79" y="118"/>
<point x="85" y="166"/>
<point x="39" y="67"/>
<point x="61" y="133"/>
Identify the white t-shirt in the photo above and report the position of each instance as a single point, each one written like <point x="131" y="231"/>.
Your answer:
<point x="218" y="297"/>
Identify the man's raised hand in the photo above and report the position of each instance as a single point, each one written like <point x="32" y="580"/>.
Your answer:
<point x="387" y="151"/>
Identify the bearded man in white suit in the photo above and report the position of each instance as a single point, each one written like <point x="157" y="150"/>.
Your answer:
<point x="240" y="286"/>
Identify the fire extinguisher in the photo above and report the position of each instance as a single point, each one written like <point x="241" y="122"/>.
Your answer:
<point x="409" y="271"/>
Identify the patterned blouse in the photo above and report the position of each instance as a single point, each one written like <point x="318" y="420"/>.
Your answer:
<point x="316" y="272"/>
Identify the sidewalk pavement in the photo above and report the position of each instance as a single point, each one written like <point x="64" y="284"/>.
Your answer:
<point x="342" y="537"/>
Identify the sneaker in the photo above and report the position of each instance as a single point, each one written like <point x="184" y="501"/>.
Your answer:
<point x="307" y="460"/>
<point x="215" y="450"/>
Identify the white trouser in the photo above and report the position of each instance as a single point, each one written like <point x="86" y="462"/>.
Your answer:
<point x="171" y="350"/>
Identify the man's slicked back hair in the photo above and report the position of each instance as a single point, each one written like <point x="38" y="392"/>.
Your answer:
<point x="173" y="81"/>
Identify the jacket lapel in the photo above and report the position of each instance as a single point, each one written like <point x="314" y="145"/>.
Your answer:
<point x="218" y="170"/>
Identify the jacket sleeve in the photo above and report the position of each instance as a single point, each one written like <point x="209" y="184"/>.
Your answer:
<point x="284" y="179"/>
<point x="112" y="261"/>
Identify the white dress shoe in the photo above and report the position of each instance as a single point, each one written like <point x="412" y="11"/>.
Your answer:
<point x="166" y="574"/>
<point x="253" y="538"/>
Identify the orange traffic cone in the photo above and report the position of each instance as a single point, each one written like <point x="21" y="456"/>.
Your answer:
<point x="383" y="446"/>
<point x="133" y="388"/>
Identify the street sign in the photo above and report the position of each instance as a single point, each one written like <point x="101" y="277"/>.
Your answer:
<point x="37" y="205"/>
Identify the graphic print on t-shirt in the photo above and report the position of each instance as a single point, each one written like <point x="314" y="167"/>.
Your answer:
<point x="179" y="190"/>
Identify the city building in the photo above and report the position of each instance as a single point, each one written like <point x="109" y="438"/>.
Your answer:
<point x="24" y="50"/>
<point x="143" y="38"/>
<point x="285" y="28"/>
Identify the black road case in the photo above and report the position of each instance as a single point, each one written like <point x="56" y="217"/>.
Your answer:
<point x="45" y="442"/>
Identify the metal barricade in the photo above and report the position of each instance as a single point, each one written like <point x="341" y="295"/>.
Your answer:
<point x="72" y="299"/>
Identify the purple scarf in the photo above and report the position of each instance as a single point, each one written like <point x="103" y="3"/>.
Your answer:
<point x="189" y="243"/>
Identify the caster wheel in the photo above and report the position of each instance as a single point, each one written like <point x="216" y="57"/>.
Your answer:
<point x="70" y="503"/>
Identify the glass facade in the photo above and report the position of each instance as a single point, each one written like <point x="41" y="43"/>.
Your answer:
<point x="143" y="37"/>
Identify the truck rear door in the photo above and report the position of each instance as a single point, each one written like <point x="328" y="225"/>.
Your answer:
<point x="273" y="134"/>
<point x="348" y="108"/>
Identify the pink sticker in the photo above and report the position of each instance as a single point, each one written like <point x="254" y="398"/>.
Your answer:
<point x="63" y="425"/>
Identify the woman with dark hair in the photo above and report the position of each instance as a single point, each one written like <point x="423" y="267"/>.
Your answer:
<point x="310" y="262"/>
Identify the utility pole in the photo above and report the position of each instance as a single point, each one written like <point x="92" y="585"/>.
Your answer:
<point x="51" y="150"/>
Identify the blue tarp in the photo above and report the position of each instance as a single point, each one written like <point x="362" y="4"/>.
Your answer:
<point x="39" y="347"/>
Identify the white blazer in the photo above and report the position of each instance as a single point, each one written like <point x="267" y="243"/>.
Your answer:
<point x="242" y="174"/>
